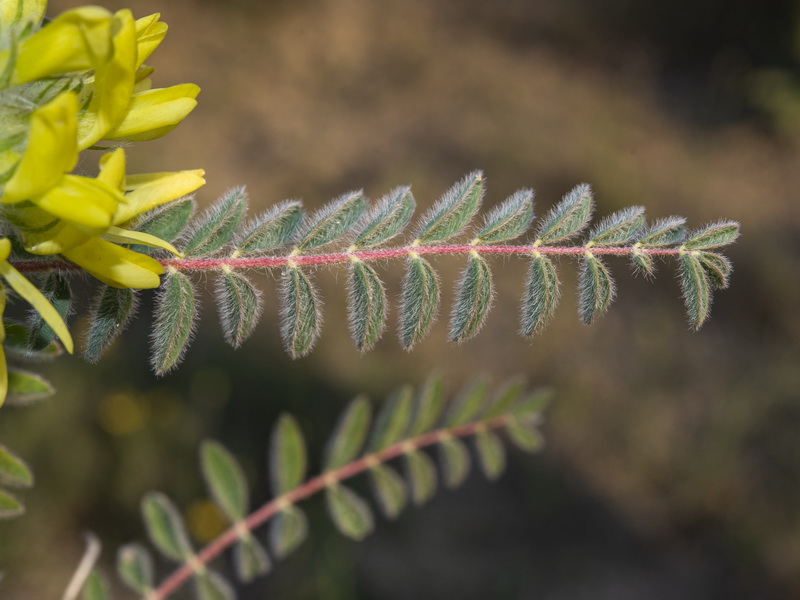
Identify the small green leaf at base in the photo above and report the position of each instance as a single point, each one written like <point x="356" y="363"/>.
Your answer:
<point x="390" y="490"/>
<point x="135" y="568"/>
<point x="224" y="479"/>
<point x="288" y="457"/>
<point x="366" y="306"/>
<point x="596" y="289"/>
<point x="420" y="301"/>
<point x="349" y="512"/>
<point x="111" y="312"/>
<point x="474" y="296"/>
<point x="239" y="303"/>
<point x="301" y="318"/>
<point x="288" y="529"/>
<point x="455" y="462"/>
<point x="165" y="527"/>
<point x="13" y="470"/>
<point x="421" y="474"/>
<point x="250" y="558"/>
<point x="541" y="297"/>
<point x="175" y="316"/>
<point x="491" y="454"/>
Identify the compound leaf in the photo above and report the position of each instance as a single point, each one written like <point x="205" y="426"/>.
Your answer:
<point x="388" y="217"/>
<point x="332" y="220"/>
<point x="239" y="303"/>
<point x="474" y="295"/>
<point x="508" y="220"/>
<point x="165" y="526"/>
<point x="367" y="305"/>
<point x="618" y="228"/>
<point x="111" y="312"/>
<point x="225" y="479"/>
<point x="541" y="296"/>
<point x="175" y="315"/>
<point x="271" y="229"/>
<point x="596" y="289"/>
<point x="351" y="431"/>
<point x="453" y="211"/>
<point x="288" y="458"/>
<point x="301" y="318"/>
<point x="420" y="301"/>
<point x="568" y="217"/>
<point x="349" y="512"/>
<point x="217" y="225"/>
<point x="390" y="490"/>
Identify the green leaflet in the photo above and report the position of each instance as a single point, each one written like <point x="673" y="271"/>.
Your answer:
<point x="717" y="267"/>
<point x="135" y="568"/>
<point x="13" y="470"/>
<point x="96" y="588"/>
<point x="393" y="420"/>
<point x="16" y="342"/>
<point x="713" y="236"/>
<point x="217" y="226"/>
<point x="568" y="217"/>
<point x="453" y="211"/>
<point x="474" y="295"/>
<point x="250" y="558"/>
<point x="491" y="454"/>
<point x="239" y="303"/>
<point x="224" y="479"/>
<point x="505" y="399"/>
<point x="664" y="232"/>
<point x="430" y="403"/>
<point x="643" y="263"/>
<point x="390" y="490"/>
<point x="455" y="462"/>
<point x="110" y="313"/>
<point x="25" y="387"/>
<point x="524" y="435"/>
<point x="175" y="315"/>
<point x="165" y="527"/>
<point x="351" y="431"/>
<point x="532" y="404"/>
<point x="287" y="530"/>
<point x="595" y="289"/>
<point x="210" y="585"/>
<point x="696" y="289"/>
<point x="57" y="290"/>
<point x="420" y="301"/>
<point x="388" y="217"/>
<point x="332" y="220"/>
<point x="9" y="506"/>
<point x="166" y="222"/>
<point x="468" y="404"/>
<point x="349" y="512"/>
<point x="288" y="458"/>
<point x="541" y="296"/>
<point x="507" y="221"/>
<point x="618" y="228"/>
<point x="301" y="318"/>
<point x="366" y="306"/>
<point x="270" y="230"/>
<point x="421" y="476"/>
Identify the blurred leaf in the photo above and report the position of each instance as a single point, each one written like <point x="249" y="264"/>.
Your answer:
<point x="696" y="291"/>
<point x="468" y="404"/>
<point x="13" y="470"/>
<point x="225" y="480"/>
<point x="389" y="489"/>
<point x="165" y="527"/>
<point x="541" y="296"/>
<point x="718" y="269"/>
<point x="301" y="318"/>
<point x="250" y="558"/>
<point x="287" y="531"/>
<point x="664" y="232"/>
<point x="217" y="225"/>
<point x="135" y="568"/>
<point x="111" y="312"/>
<point x="96" y="588"/>
<point x="618" y="228"/>
<point x="388" y="217"/>
<point x="25" y="387"/>
<point x="393" y="420"/>
<point x="505" y="399"/>
<point x="568" y="217"/>
<point x="9" y="506"/>
<point x="524" y="435"/>
<point x="509" y="220"/>
<point x="210" y="585"/>
<point x="455" y="462"/>
<point x="239" y="305"/>
<point x="596" y="289"/>
<point x="367" y="305"/>
<point x="430" y="403"/>
<point x="713" y="236"/>
<point x="474" y="295"/>
<point x="17" y="336"/>
<point x="271" y="229"/>
<point x="421" y="476"/>
<point x="420" y="301"/>
<point x="287" y="456"/>
<point x="491" y="454"/>
<point x="453" y="211"/>
<point x="351" y="431"/>
<point x="533" y="403"/>
<point x="175" y="315"/>
<point x="57" y="290"/>
<point x="349" y="512"/>
<point x="166" y="222"/>
<point x="332" y="220"/>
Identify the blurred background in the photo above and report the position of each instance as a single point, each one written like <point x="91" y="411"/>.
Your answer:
<point x="672" y="466"/>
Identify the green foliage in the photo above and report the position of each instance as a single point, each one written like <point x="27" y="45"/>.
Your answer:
<point x="367" y="305"/>
<point x="474" y="296"/>
<point x="175" y="314"/>
<point x="596" y="289"/>
<point x="453" y="211"/>
<point x="301" y="318"/>
<point x="568" y="217"/>
<point x="508" y="220"/>
<point x="332" y="221"/>
<point x="542" y="293"/>
<point x="58" y="292"/>
<point x="217" y="225"/>
<point x="239" y="303"/>
<point x="388" y="218"/>
<point x="420" y="301"/>
<point x="270" y="230"/>
<point x="287" y="456"/>
<point x="110" y="313"/>
<point x="166" y="222"/>
<point x="135" y="568"/>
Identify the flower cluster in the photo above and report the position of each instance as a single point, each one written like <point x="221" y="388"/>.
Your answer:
<point x="66" y="86"/>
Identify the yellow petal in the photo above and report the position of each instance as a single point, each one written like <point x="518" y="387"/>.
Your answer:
<point x="35" y="298"/>
<point x="51" y="150"/>
<point x="112" y="169"/>
<point x="87" y="203"/>
<point x="153" y="113"/>
<point x="127" y="236"/>
<point x="116" y="266"/>
<point x="77" y="40"/>
<point x="150" y="32"/>
<point x="146" y="191"/>
<point x="3" y="371"/>
<point x="56" y="239"/>
<point x="20" y="12"/>
<point x="5" y="250"/>
<point x="113" y="84"/>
